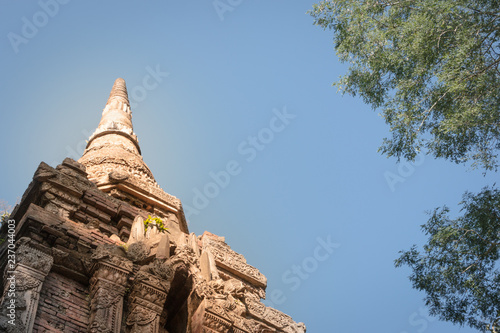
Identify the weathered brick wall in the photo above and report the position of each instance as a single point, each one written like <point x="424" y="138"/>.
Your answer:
<point x="63" y="306"/>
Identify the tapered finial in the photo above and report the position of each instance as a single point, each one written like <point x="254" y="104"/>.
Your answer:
<point x="116" y="116"/>
<point x="113" y="161"/>
<point x="119" y="92"/>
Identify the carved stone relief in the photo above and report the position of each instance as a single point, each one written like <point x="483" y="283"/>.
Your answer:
<point x="108" y="284"/>
<point x="28" y="275"/>
<point x="225" y="257"/>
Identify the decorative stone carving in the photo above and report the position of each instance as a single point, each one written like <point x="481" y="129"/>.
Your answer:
<point x="107" y="288"/>
<point x="210" y="318"/>
<point x="208" y="286"/>
<point x="147" y="298"/>
<point x="216" y="323"/>
<point x="234" y="262"/>
<point x="139" y="317"/>
<point x="35" y="259"/>
<point x="277" y="318"/>
<point x="230" y="297"/>
<point x="112" y="255"/>
<point x="223" y="308"/>
<point x="106" y="305"/>
<point x="30" y="270"/>
<point x="231" y="306"/>
<point x="185" y="255"/>
<point x="117" y="176"/>
<point x="162" y="269"/>
<point x="138" y="251"/>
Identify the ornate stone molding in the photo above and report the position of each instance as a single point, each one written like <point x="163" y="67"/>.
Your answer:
<point x="30" y="270"/>
<point x="274" y="317"/>
<point x="209" y="317"/>
<point x="146" y="304"/>
<point x="107" y="288"/>
<point x="35" y="259"/>
<point x="233" y="262"/>
<point x="223" y="308"/>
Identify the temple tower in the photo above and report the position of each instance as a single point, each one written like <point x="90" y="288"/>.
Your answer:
<point x="114" y="163"/>
<point x="97" y="246"/>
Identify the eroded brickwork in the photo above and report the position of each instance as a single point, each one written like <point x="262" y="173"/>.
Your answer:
<point x="63" y="306"/>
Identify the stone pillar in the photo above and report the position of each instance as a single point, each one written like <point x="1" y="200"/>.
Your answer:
<point x="25" y="281"/>
<point x="146" y="303"/>
<point x="107" y="289"/>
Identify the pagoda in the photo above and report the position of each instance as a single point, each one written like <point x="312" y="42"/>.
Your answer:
<point x="96" y="245"/>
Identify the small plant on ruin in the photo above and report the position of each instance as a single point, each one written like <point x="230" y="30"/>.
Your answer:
<point x="155" y="221"/>
<point x="5" y="210"/>
<point x="4" y="216"/>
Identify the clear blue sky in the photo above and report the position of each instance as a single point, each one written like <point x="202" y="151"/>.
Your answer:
<point x="220" y="79"/>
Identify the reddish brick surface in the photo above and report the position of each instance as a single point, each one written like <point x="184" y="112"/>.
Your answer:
<point x="63" y="306"/>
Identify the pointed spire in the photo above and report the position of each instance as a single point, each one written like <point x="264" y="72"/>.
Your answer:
<point x="117" y="116"/>
<point x="119" y="92"/>
<point x="113" y="161"/>
<point x="114" y="141"/>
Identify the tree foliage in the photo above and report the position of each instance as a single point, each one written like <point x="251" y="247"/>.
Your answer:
<point x="430" y="66"/>
<point x="459" y="266"/>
